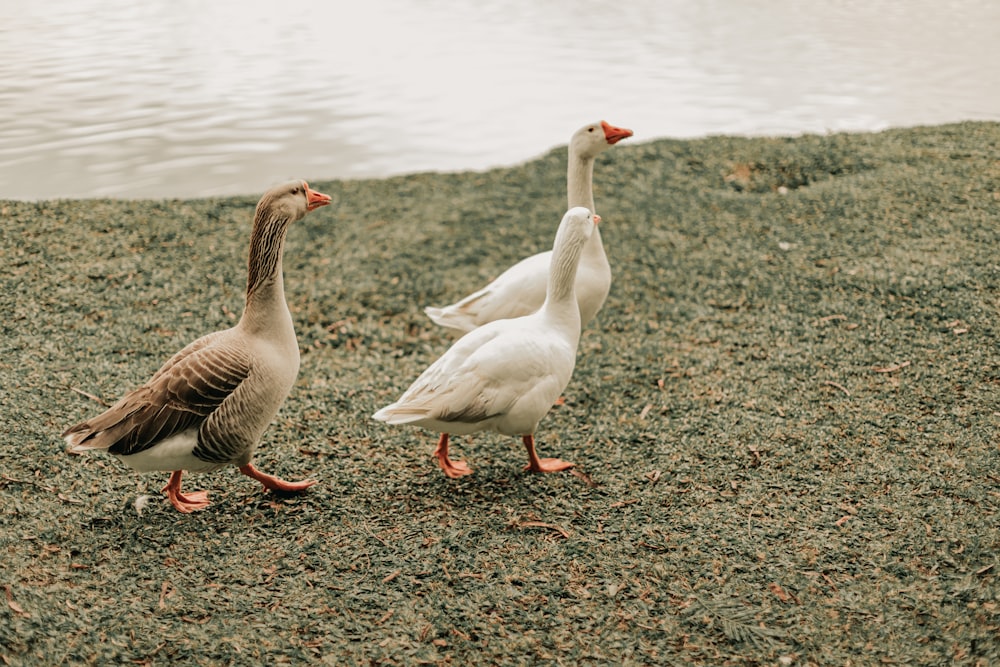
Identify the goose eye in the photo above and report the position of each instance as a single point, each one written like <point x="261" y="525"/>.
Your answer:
<point x="590" y="129"/>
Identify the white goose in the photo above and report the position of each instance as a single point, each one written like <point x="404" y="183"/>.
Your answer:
<point x="209" y="404"/>
<point x="520" y="290"/>
<point x="505" y="375"/>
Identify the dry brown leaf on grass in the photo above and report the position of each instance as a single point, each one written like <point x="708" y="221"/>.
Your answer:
<point x="541" y="524"/>
<point x="96" y="399"/>
<point x="13" y="480"/>
<point x="166" y="590"/>
<point x="14" y="607"/>
<point x="837" y="385"/>
<point x="583" y="476"/>
<point x="781" y="593"/>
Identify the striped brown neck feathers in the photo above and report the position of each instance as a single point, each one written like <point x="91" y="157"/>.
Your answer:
<point x="267" y="243"/>
<point x="276" y="210"/>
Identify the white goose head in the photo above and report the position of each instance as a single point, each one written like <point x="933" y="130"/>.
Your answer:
<point x="575" y="229"/>
<point x="591" y="140"/>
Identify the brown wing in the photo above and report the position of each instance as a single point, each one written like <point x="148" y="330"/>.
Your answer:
<point x="181" y="395"/>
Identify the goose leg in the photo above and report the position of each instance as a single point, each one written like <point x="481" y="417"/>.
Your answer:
<point x="272" y="483"/>
<point x="453" y="469"/>
<point x="195" y="500"/>
<point x="536" y="464"/>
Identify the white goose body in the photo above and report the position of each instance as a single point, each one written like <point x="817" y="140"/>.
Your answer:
<point x="505" y="375"/>
<point x="502" y="377"/>
<point x="209" y="404"/>
<point x="520" y="290"/>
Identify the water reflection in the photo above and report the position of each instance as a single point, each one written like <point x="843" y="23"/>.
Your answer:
<point x="177" y="98"/>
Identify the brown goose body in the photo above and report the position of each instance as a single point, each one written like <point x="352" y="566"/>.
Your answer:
<point x="209" y="404"/>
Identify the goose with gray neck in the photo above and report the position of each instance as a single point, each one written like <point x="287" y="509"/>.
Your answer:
<point x="209" y="404"/>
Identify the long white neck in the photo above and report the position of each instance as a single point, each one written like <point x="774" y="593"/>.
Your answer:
<point x="266" y="311"/>
<point x="560" y="294"/>
<point x="580" y="192"/>
<point x="580" y="182"/>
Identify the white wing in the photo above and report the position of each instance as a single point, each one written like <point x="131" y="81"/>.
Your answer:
<point x="518" y="291"/>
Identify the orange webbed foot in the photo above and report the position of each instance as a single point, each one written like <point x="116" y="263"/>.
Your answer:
<point x="548" y="465"/>
<point x="190" y="502"/>
<point x="272" y="483"/>
<point x="184" y="502"/>
<point x="453" y="469"/>
<point x="536" y="464"/>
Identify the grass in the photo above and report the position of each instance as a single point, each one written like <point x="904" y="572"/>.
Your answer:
<point x="785" y="422"/>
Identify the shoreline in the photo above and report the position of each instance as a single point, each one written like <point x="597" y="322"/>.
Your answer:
<point x="486" y="169"/>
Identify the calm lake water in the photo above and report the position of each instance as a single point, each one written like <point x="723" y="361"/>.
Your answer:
<point x="177" y="98"/>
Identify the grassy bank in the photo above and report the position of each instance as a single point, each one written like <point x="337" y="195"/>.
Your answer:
<point x="785" y="421"/>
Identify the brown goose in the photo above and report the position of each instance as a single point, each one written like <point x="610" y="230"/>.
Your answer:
<point x="208" y="406"/>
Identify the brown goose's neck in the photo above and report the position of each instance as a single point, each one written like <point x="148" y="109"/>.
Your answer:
<point x="265" y="282"/>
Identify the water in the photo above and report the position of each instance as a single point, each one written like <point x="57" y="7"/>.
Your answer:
<point x="166" y="98"/>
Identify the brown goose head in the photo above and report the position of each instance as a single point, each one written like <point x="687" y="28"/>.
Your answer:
<point x="290" y="201"/>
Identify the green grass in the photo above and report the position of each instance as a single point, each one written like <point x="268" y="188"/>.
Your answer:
<point x="785" y="419"/>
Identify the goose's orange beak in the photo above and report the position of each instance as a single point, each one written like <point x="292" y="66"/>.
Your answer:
<point x="597" y="219"/>
<point x="315" y="199"/>
<point x="615" y="134"/>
